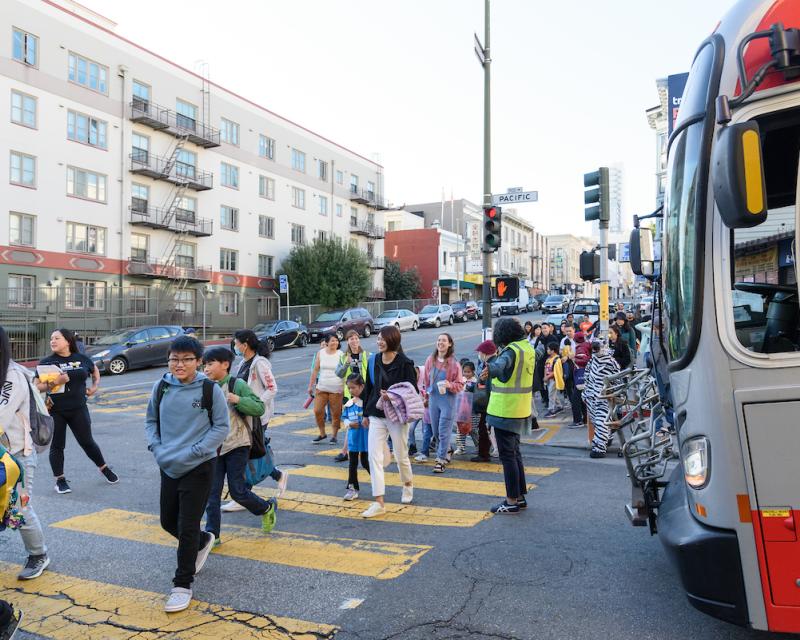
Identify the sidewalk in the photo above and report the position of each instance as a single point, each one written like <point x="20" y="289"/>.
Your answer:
<point x="555" y="432"/>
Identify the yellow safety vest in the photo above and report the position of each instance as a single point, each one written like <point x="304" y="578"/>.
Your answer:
<point x="512" y="399"/>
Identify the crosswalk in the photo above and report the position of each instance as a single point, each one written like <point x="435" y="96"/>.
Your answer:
<point x="65" y="607"/>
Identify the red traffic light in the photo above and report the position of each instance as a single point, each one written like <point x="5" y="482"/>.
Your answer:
<point x="491" y="213"/>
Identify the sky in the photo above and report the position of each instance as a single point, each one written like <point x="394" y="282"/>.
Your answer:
<point x="398" y="81"/>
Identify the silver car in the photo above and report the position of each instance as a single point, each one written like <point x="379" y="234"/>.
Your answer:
<point x="435" y="315"/>
<point x="401" y="318"/>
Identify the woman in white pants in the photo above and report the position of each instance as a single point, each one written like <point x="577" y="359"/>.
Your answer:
<point x="387" y="367"/>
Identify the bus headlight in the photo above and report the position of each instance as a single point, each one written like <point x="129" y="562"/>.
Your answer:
<point x="696" y="456"/>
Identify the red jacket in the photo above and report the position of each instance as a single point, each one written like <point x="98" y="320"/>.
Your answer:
<point x="583" y="351"/>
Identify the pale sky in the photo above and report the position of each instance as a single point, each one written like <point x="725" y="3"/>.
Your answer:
<point x="397" y="81"/>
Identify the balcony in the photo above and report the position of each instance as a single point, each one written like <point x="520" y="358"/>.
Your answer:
<point x="163" y="270"/>
<point x="376" y="262"/>
<point x="369" y="198"/>
<point x="178" y="220"/>
<point x="179" y="173"/>
<point x="169" y="121"/>
<point x="375" y="231"/>
<point x="358" y="228"/>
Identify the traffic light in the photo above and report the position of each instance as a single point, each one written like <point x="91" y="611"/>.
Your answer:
<point x="590" y="265"/>
<point x="596" y="196"/>
<point x="492" y="220"/>
<point x="506" y="288"/>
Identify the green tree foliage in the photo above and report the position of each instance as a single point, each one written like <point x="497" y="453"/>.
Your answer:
<point x="399" y="284"/>
<point x="327" y="272"/>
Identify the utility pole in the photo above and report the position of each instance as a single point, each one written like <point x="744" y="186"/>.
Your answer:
<point x="484" y="57"/>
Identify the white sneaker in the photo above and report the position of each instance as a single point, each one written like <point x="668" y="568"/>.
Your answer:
<point x="202" y="555"/>
<point x="281" y="484"/>
<point x="231" y="506"/>
<point x="351" y="494"/>
<point x="178" y="599"/>
<point x="375" y="509"/>
<point x="408" y="495"/>
<point x="421" y="457"/>
<point x="494" y="453"/>
<point x="460" y="451"/>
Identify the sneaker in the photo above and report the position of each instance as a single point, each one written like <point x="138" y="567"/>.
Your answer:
<point x="333" y="440"/>
<point x="408" y="495"/>
<point x="320" y="439"/>
<point x="231" y="506"/>
<point x="559" y="410"/>
<point x="282" y="483"/>
<point x="217" y="542"/>
<point x="178" y="600"/>
<point x="34" y="567"/>
<point x="522" y="503"/>
<point x="494" y="453"/>
<point x="375" y="509"/>
<point x="421" y="457"/>
<point x="270" y="517"/>
<point x="412" y="450"/>
<point x="479" y="459"/>
<point x="341" y="457"/>
<point x="576" y="425"/>
<point x="439" y="466"/>
<point x="109" y="475"/>
<point x="549" y="414"/>
<point x="460" y="451"/>
<point x="594" y="453"/>
<point x="351" y="494"/>
<point x="12" y="625"/>
<point x="504" y="507"/>
<point x="535" y="425"/>
<point x="202" y="554"/>
<point x="62" y="486"/>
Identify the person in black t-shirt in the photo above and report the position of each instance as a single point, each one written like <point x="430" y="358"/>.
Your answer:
<point x="69" y="407"/>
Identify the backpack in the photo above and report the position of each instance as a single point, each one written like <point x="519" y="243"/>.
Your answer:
<point x="11" y="473"/>
<point x="40" y="420"/>
<point x="258" y="448"/>
<point x="258" y="469"/>
<point x="206" y="403"/>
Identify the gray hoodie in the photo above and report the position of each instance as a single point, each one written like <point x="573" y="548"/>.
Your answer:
<point x="187" y="439"/>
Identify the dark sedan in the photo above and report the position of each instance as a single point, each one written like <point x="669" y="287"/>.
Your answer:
<point x="282" y="333"/>
<point x="464" y="311"/>
<point x="133" y="348"/>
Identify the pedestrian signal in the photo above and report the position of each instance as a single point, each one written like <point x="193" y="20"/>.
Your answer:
<point x="590" y="266"/>
<point x="506" y="289"/>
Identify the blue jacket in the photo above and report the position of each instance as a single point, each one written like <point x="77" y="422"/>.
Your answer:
<point x="188" y="438"/>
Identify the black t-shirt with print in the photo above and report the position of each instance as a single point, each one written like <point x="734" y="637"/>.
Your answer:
<point x="79" y="368"/>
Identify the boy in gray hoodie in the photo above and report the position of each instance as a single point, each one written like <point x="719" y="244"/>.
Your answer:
<point x="184" y="429"/>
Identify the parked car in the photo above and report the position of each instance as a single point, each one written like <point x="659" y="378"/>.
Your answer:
<point x="435" y="315"/>
<point x="282" y="333"/>
<point x="340" y="321"/>
<point x="555" y="303"/>
<point x="400" y="318"/>
<point x="495" y="309"/>
<point x="585" y="307"/>
<point x="466" y="310"/>
<point x="533" y="304"/>
<point x="540" y="298"/>
<point x="136" y="348"/>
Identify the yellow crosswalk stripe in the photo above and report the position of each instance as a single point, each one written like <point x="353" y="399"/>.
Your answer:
<point x="463" y="465"/>
<point x="311" y="431"/>
<point x="67" y="608"/>
<point x="430" y="481"/>
<point x="382" y="560"/>
<point x="288" y="418"/>
<point x="324" y="505"/>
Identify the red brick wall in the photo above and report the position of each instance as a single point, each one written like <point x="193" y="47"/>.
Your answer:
<point x="415" y="248"/>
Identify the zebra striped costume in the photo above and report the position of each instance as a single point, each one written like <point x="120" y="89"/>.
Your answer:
<point x="599" y="368"/>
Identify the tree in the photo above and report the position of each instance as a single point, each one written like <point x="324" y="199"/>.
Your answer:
<point x="399" y="284"/>
<point x="327" y="272"/>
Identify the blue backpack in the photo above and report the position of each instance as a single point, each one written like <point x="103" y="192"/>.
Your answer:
<point x="258" y="469"/>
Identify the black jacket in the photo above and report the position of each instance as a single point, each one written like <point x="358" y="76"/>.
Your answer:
<point x="401" y="369"/>
<point x="622" y="353"/>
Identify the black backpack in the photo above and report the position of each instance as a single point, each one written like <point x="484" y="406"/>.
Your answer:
<point x="258" y="447"/>
<point x="206" y="403"/>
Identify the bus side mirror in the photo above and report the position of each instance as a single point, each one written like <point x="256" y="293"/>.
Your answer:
<point x="738" y="176"/>
<point x="642" y="253"/>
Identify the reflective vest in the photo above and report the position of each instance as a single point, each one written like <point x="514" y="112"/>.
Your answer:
<point x="512" y="399"/>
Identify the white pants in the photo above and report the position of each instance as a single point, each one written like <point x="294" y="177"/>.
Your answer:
<point x="379" y="431"/>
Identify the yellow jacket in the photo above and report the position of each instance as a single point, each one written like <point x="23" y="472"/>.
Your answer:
<point x="558" y="371"/>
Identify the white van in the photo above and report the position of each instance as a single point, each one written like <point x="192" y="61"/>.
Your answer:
<point x="517" y="305"/>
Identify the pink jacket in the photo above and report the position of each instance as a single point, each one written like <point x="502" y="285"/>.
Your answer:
<point x="452" y="372"/>
<point x="404" y="403"/>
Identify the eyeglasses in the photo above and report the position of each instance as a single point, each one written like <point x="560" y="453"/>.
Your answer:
<point x="174" y="361"/>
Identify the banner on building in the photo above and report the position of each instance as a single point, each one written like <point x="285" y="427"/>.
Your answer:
<point x="675" y="86"/>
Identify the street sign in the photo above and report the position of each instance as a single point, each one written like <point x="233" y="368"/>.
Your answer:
<point x="515" y="189"/>
<point x="624" y="252"/>
<point x="519" y="197"/>
<point x="283" y="283"/>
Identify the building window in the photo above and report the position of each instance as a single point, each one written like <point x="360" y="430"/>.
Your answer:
<point x="266" y="227"/>
<point x="185" y="301"/>
<point x="298" y="198"/>
<point x="139" y="244"/>
<point x="298" y="234"/>
<point x="139" y="300"/>
<point x="186" y="117"/>
<point x="141" y="96"/>
<point x="140" y="197"/>
<point x="85" y="129"/>
<point x="86" y="184"/>
<point x="185" y="255"/>
<point x="84" y="238"/>
<point x="22" y="229"/>
<point x="353" y="216"/>
<point x="230" y="175"/>
<point x="85" y="294"/>
<point x="339" y="210"/>
<point x="339" y="177"/>
<point x="265" y="266"/>
<point x="229" y="131"/>
<point x="186" y="164"/>
<point x="322" y="170"/>
<point x="321" y="235"/>
<point x="186" y="209"/>
<point x="228" y="259"/>
<point x="25" y="47"/>
<point x="371" y="190"/>
<point x="88" y="74"/>
<point x="266" y="187"/>
<point x="229" y="303"/>
<point x="23" y="169"/>
<point x="140" y="148"/>
<point x="229" y="218"/>
<point x="298" y="160"/>
<point x="266" y="147"/>
<point x="353" y="183"/>
<point x="23" y="109"/>
<point x="21" y="290"/>
<point x="323" y="205"/>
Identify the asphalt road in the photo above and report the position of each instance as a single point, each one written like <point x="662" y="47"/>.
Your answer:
<point x="570" y="567"/>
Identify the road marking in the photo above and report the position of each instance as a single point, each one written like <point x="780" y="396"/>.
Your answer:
<point x="549" y="431"/>
<point x="311" y="431"/>
<point x="351" y="603"/>
<point x="430" y="482"/>
<point x="463" y="465"/>
<point x="288" y="418"/>
<point x="324" y="505"/>
<point x="289" y="374"/>
<point x="374" y="559"/>
<point x="68" y="608"/>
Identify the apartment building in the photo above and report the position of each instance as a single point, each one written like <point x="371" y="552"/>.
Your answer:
<point x="565" y="265"/>
<point x="138" y="188"/>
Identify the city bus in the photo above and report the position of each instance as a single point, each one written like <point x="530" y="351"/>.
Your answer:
<point x="729" y="321"/>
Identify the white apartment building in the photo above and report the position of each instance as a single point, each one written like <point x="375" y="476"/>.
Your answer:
<point x="565" y="265"/>
<point x="129" y="173"/>
<point x="514" y="256"/>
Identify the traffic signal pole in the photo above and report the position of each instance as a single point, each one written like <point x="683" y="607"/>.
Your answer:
<point x="487" y="169"/>
<point x="604" y="279"/>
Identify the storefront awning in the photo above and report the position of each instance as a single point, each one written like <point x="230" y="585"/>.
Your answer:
<point x="453" y="284"/>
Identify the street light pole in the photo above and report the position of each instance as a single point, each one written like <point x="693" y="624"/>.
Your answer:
<point x="486" y="60"/>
